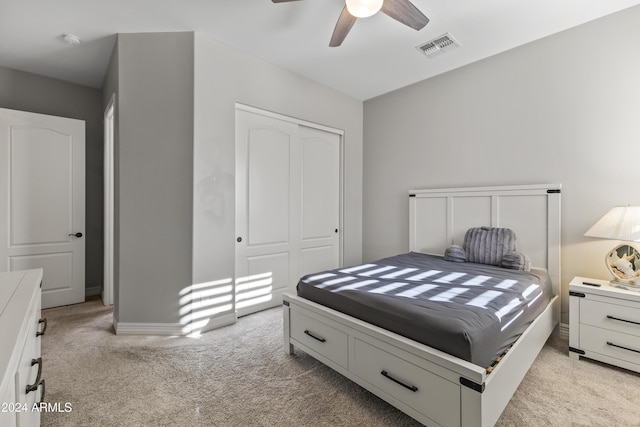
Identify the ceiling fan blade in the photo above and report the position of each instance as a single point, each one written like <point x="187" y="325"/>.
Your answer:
<point x="404" y="11"/>
<point x="282" y="1"/>
<point x="343" y="26"/>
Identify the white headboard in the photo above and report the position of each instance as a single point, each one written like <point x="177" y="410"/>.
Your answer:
<point x="439" y="218"/>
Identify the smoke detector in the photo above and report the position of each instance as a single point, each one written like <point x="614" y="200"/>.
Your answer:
<point x="438" y="46"/>
<point x="71" y="39"/>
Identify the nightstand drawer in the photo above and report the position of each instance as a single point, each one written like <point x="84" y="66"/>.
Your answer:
<point x="609" y="343"/>
<point x="611" y="316"/>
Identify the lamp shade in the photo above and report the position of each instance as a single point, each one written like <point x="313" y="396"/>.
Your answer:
<point x="620" y="223"/>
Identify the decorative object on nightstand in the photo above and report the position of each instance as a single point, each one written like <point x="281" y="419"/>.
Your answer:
<point x="621" y="223"/>
<point x="604" y="323"/>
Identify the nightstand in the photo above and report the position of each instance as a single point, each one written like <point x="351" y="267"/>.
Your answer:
<point x="604" y="323"/>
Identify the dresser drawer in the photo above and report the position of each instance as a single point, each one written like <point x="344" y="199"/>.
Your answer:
<point x="320" y="337"/>
<point x="609" y="315"/>
<point x="427" y="393"/>
<point x="19" y="346"/>
<point x="610" y="343"/>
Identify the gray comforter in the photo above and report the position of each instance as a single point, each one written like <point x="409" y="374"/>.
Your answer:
<point x="471" y="311"/>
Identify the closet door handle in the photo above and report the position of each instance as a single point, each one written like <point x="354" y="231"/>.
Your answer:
<point x="36" y="383"/>
<point x="76" y="234"/>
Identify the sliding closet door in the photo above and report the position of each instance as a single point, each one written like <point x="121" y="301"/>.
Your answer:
<point x="266" y="192"/>
<point x="320" y="194"/>
<point x="287" y="207"/>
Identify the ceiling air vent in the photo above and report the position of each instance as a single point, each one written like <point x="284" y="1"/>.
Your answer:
<point x="439" y="45"/>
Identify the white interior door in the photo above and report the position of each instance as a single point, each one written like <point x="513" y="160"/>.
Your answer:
<point x="266" y="192"/>
<point x="287" y="206"/>
<point x="42" y="172"/>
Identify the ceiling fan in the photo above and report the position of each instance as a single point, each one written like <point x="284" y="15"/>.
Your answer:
<point x="401" y="10"/>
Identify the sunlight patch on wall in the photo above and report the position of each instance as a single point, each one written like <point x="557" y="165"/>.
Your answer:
<point x="202" y="301"/>
<point x="254" y="289"/>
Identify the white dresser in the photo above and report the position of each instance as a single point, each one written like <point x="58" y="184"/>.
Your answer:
<point x="604" y="323"/>
<point x="21" y="381"/>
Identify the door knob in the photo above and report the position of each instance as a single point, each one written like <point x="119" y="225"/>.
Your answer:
<point x="76" y="234"/>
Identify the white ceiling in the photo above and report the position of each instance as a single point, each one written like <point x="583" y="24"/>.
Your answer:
<point x="377" y="56"/>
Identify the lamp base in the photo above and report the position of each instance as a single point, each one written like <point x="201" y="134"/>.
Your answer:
<point x="623" y="263"/>
<point x="626" y="284"/>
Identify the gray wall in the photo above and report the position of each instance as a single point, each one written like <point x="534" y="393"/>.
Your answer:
<point x="563" y="109"/>
<point x="154" y="103"/>
<point x="175" y="106"/>
<point x="225" y="76"/>
<point x="29" y="92"/>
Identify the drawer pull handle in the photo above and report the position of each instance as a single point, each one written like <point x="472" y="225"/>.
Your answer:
<point x="41" y="383"/>
<point x="624" y="348"/>
<point x="622" y="320"/>
<point x="44" y="328"/>
<point x="36" y="383"/>
<point x="410" y="387"/>
<point x="314" y="337"/>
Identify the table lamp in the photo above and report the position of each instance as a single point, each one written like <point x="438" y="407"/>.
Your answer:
<point x="623" y="262"/>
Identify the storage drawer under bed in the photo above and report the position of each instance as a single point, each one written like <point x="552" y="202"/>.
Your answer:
<point x="427" y="393"/>
<point x="320" y="337"/>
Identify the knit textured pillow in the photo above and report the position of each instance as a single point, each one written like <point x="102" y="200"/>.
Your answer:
<point x="455" y="253"/>
<point x="487" y="245"/>
<point x="516" y="261"/>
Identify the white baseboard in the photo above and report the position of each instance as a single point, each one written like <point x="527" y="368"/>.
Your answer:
<point x="123" y="328"/>
<point x="219" y="322"/>
<point x="174" y="329"/>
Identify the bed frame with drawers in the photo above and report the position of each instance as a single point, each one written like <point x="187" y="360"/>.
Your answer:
<point x="429" y="385"/>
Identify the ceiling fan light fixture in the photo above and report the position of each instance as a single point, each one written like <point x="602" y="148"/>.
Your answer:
<point x="363" y="8"/>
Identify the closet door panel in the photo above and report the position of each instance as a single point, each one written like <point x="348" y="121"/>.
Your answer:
<point x="320" y="209"/>
<point x="317" y="258"/>
<point x="268" y="189"/>
<point x="267" y="278"/>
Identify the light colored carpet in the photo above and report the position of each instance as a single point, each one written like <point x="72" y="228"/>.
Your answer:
<point x="240" y="376"/>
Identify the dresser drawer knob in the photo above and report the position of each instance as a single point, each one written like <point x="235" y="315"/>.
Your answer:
<point x="44" y="328"/>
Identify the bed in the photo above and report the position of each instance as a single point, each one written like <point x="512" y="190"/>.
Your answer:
<point x="443" y="382"/>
